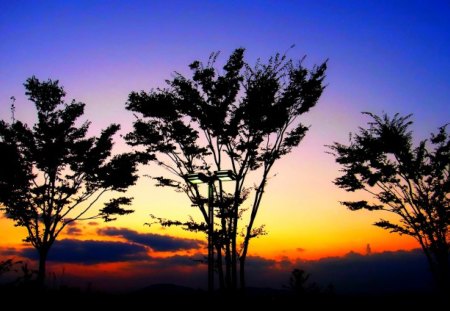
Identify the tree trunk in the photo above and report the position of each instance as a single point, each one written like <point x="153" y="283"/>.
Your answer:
<point x="442" y="272"/>
<point x="220" y="267"/>
<point x="242" y="273"/>
<point x="438" y="260"/>
<point x="234" y="252"/>
<point x="227" y="260"/>
<point x="43" y="252"/>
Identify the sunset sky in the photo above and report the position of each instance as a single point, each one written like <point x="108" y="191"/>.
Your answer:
<point x="384" y="56"/>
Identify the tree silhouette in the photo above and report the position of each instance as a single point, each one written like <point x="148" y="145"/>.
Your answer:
<point x="52" y="174"/>
<point x="412" y="183"/>
<point x="244" y="118"/>
<point x="298" y="281"/>
<point x="301" y="285"/>
<point x="7" y="266"/>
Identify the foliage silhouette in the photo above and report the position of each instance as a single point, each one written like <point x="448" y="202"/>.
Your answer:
<point x="244" y="118"/>
<point x="7" y="266"/>
<point x="300" y="285"/>
<point x="410" y="182"/>
<point x="298" y="281"/>
<point x="21" y="276"/>
<point x="52" y="174"/>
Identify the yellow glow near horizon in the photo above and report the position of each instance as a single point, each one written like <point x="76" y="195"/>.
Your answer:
<point x="300" y="209"/>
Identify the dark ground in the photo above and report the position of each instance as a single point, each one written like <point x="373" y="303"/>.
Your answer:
<point x="168" y="296"/>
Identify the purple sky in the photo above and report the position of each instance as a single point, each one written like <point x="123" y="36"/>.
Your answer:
<point x="384" y="55"/>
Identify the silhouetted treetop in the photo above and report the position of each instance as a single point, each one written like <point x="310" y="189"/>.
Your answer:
<point x="411" y="182"/>
<point x="241" y="117"/>
<point x="52" y="174"/>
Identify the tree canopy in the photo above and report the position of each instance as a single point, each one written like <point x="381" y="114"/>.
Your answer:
<point x="241" y="118"/>
<point x="51" y="174"/>
<point x="410" y="182"/>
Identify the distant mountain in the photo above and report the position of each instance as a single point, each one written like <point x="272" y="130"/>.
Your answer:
<point x="167" y="289"/>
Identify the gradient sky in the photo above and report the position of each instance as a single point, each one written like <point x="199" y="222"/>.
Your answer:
<point x="390" y="56"/>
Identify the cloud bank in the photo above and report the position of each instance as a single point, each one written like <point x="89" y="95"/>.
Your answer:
<point x="157" y="242"/>
<point x="388" y="272"/>
<point x="90" y="252"/>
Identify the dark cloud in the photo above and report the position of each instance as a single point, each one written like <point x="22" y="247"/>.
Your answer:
<point x="183" y="270"/>
<point x="8" y="252"/>
<point x="387" y="272"/>
<point x="90" y="252"/>
<point x="92" y="223"/>
<point x="380" y="272"/>
<point x="157" y="242"/>
<point x="73" y="230"/>
<point x="181" y="261"/>
<point x="299" y="249"/>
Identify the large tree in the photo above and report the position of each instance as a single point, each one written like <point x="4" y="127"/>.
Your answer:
<point x="242" y="118"/>
<point x="411" y="182"/>
<point x="52" y="174"/>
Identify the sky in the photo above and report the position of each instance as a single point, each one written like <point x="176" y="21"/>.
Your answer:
<point x="384" y="56"/>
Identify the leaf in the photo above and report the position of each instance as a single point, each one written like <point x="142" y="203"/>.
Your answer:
<point x="114" y="207"/>
<point x="393" y="228"/>
<point x="357" y="205"/>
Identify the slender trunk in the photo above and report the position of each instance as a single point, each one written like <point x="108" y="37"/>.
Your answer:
<point x="228" y="266"/>
<point x="233" y="230"/>
<point x="226" y="245"/>
<point x="43" y="252"/>
<point x="242" y="273"/>
<point x="442" y="272"/>
<point x="233" y="246"/>
<point x="220" y="267"/>
<point x="227" y="257"/>
<point x="438" y="261"/>
<point x="242" y="259"/>
<point x="248" y="234"/>
<point x="210" y="237"/>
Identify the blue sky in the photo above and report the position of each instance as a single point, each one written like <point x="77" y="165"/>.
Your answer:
<point x="384" y="55"/>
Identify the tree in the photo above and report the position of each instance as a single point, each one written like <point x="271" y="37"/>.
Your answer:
<point x="410" y="182"/>
<point x="298" y="280"/>
<point x="52" y="174"/>
<point x="245" y="119"/>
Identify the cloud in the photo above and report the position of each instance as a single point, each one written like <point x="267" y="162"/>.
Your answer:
<point x="387" y="272"/>
<point x="380" y="272"/>
<point x="90" y="252"/>
<point x="300" y="249"/>
<point x="156" y="242"/>
<point x="73" y="230"/>
<point x="73" y="227"/>
<point x="183" y="270"/>
<point x="8" y="252"/>
<point x="135" y="271"/>
<point x="383" y="273"/>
